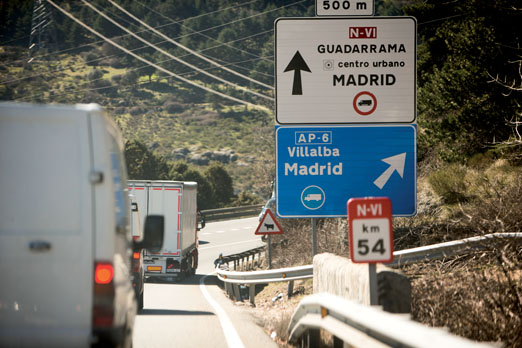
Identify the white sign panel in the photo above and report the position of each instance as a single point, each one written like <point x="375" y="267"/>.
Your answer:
<point x="345" y="70"/>
<point x="344" y="7"/>
<point x="370" y="229"/>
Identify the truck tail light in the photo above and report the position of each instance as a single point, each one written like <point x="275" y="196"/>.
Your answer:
<point x="103" y="299"/>
<point x="135" y="262"/>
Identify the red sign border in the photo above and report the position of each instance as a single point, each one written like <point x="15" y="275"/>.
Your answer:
<point x="387" y="213"/>
<point x="268" y="211"/>
<point x="365" y="113"/>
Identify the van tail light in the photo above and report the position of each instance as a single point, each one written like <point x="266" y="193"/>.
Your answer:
<point x="136" y="255"/>
<point x="103" y="300"/>
<point x="103" y="273"/>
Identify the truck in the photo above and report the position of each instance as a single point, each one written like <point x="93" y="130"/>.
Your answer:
<point x="65" y="241"/>
<point x="177" y="202"/>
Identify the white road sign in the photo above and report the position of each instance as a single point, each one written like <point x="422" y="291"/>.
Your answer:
<point x="370" y="229"/>
<point x="344" y="7"/>
<point x="345" y="70"/>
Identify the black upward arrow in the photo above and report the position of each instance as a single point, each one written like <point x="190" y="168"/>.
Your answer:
<point x="297" y="64"/>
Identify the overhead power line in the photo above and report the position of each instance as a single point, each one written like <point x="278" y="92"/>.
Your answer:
<point x="188" y="49"/>
<point x="92" y="7"/>
<point x="40" y="95"/>
<point x="194" y="32"/>
<point x="68" y="66"/>
<point x="162" y="26"/>
<point x="122" y="36"/>
<point x="200" y="32"/>
<point x="151" y="63"/>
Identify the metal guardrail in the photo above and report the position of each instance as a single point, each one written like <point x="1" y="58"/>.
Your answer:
<point x="364" y="326"/>
<point x="232" y="280"/>
<point x="242" y="260"/>
<point x="447" y="249"/>
<point x="269" y="276"/>
<point x="231" y="213"/>
<point x="401" y="257"/>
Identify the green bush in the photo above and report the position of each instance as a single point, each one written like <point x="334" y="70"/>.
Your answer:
<point x="450" y="184"/>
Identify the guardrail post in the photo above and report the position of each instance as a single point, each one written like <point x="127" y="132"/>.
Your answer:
<point x="237" y="294"/>
<point x="337" y="342"/>
<point x="252" y="294"/>
<point x="314" y="338"/>
<point x="290" y="289"/>
<point x="228" y="288"/>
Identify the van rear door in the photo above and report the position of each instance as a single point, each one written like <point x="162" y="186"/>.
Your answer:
<point x="46" y="256"/>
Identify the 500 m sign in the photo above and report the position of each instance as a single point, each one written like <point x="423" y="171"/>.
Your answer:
<point x="344" y="7"/>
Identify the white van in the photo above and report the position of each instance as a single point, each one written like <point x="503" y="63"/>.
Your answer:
<point x="65" y="243"/>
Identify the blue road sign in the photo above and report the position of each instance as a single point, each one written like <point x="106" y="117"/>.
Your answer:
<point x="319" y="168"/>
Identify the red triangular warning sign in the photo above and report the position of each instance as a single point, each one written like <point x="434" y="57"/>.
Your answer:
<point x="269" y="224"/>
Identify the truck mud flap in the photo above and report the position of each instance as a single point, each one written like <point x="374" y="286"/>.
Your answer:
<point x="173" y="266"/>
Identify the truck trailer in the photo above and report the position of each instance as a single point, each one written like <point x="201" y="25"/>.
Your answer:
<point x="177" y="202"/>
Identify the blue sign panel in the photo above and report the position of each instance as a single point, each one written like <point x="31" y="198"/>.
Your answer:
<point x="318" y="169"/>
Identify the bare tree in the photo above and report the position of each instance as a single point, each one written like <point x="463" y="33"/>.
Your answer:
<point x="512" y="85"/>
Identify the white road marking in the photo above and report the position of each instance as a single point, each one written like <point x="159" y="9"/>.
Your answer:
<point x="222" y="245"/>
<point x="233" y="339"/>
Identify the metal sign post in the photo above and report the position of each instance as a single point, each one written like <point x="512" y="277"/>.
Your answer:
<point x="374" y="287"/>
<point x="314" y="236"/>
<point x="269" y="226"/>
<point x="269" y="251"/>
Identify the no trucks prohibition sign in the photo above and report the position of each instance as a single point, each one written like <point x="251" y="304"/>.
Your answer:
<point x="364" y="103"/>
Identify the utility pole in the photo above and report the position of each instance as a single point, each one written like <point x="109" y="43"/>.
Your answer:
<point x="43" y="31"/>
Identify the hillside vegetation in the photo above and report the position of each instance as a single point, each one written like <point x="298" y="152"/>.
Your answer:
<point x="468" y="60"/>
<point x="469" y="110"/>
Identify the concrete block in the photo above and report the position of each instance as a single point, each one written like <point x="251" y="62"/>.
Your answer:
<point x="340" y="276"/>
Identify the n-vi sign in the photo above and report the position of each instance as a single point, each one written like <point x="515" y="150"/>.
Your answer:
<point x="319" y="168"/>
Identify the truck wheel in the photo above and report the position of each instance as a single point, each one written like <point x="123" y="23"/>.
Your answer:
<point x="190" y="267"/>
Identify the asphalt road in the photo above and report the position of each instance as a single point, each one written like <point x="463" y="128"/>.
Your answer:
<point x="196" y="312"/>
